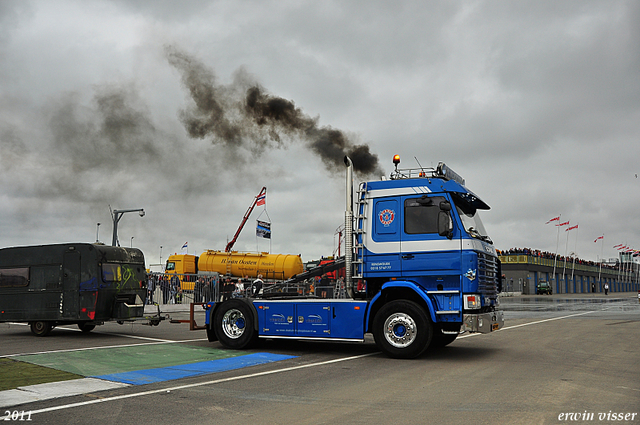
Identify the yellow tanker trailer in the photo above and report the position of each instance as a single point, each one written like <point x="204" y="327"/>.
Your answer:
<point x="270" y="266"/>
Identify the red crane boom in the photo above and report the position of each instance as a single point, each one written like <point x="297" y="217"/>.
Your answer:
<point x="244" y="219"/>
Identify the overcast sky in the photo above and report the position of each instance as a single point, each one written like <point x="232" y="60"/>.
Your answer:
<point x="144" y="104"/>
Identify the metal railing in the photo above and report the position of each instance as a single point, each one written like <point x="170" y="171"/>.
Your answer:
<point x="169" y="288"/>
<point x="568" y="263"/>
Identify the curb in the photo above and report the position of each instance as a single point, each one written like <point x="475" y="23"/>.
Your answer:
<point x="51" y="390"/>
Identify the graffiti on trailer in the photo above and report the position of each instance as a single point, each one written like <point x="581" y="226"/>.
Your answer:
<point x="127" y="275"/>
<point x="120" y="275"/>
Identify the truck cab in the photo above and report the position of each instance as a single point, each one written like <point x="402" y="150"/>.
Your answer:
<point x="419" y="236"/>
<point x="419" y="270"/>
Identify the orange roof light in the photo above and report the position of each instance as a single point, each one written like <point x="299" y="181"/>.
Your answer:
<point x="396" y="159"/>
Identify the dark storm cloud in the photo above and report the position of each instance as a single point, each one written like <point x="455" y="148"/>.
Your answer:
<point x="115" y="132"/>
<point x="244" y="115"/>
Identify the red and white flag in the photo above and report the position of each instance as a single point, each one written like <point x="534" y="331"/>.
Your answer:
<point x="571" y="228"/>
<point x="617" y="246"/>
<point x="598" y="238"/>
<point x="553" y="219"/>
<point x="566" y="223"/>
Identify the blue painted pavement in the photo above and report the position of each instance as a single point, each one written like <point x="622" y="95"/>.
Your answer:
<point x="149" y="376"/>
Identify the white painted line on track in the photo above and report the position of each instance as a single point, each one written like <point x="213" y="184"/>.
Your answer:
<point x="265" y="373"/>
<point x="532" y="323"/>
<point x="199" y="384"/>
<point x="106" y="346"/>
<point x="64" y="327"/>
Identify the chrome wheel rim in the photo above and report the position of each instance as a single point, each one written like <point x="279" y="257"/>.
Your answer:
<point x="233" y="323"/>
<point x="400" y="330"/>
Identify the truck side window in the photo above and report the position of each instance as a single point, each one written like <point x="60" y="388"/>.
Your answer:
<point x="18" y="276"/>
<point x="170" y="266"/>
<point x="421" y="215"/>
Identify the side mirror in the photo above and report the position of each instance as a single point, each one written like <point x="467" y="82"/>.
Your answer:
<point x="445" y="225"/>
<point x="445" y="206"/>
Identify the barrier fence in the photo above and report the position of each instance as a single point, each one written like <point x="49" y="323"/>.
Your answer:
<point x="167" y="288"/>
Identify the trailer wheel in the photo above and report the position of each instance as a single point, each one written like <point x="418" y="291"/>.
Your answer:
<point x="41" y="328"/>
<point x="85" y="327"/>
<point x="402" y="329"/>
<point x="233" y="322"/>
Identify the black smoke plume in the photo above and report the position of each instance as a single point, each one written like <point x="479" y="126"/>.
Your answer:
<point x="243" y="114"/>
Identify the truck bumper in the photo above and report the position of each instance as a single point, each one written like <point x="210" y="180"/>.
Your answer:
<point x="483" y="323"/>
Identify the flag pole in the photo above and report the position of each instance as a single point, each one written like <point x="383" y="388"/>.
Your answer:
<point x="601" y="259"/>
<point x="555" y="257"/>
<point x="564" y="263"/>
<point x="575" y="254"/>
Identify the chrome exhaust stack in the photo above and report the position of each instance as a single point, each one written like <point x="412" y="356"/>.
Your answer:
<point x="348" y="229"/>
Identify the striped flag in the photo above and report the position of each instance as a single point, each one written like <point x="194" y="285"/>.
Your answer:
<point x="571" y="228"/>
<point x="553" y="219"/>
<point x="617" y="246"/>
<point x="598" y="238"/>
<point x="566" y="223"/>
<point x="262" y="199"/>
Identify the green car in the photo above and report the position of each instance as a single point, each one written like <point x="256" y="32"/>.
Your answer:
<point x="543" y="288"/>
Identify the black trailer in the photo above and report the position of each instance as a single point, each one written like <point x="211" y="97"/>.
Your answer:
<point x="75" y="283"/>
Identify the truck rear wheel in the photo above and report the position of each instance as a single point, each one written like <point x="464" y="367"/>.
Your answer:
<point x="233" y="324"/>
<point x="402" y="329"/>
<point x="40" y="328"/>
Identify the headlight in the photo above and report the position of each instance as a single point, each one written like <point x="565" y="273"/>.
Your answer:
<point x="472" y="302"/>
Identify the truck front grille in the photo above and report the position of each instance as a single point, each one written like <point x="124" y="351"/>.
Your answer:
<point x="488" y="275"/>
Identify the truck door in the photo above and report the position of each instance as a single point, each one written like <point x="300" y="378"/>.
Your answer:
<point x="383" y="257"/>
<point x="423" y="251"/>
<point x="71" y="284"/>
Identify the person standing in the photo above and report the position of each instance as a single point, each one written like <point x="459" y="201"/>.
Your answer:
<point x="606" y="288"/>
<point x="197" y="290"/>
<point x="239" y="291"/>
<point x="257" y="286"/>
<point x="174" y="288"/>
<point x="164" y="288"/>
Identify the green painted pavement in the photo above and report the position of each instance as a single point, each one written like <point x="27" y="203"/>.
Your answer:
<point x="106" y="361"/>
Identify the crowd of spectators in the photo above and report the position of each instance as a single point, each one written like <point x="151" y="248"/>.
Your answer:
<point x="551" y="255"/>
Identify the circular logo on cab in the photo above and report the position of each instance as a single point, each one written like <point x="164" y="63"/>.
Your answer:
<point x="387" y="216"/>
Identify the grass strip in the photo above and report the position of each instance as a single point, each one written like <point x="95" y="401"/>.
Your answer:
<point x="14" y="374"/>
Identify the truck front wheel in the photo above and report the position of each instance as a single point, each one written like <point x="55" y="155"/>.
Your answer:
<point x="233" y="324"/>
<point x="402" y="329"/>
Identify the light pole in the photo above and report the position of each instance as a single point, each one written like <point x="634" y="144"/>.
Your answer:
<point x="97" y="232"/>
<point x="117" y="215"/>
<point x="161" y="257"/>
<point x="131" y="245"/>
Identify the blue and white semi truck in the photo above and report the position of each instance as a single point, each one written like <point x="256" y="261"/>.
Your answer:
<point x="419" y="270"/>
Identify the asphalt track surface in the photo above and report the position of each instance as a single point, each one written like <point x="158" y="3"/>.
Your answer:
<point x="555" y="356"/>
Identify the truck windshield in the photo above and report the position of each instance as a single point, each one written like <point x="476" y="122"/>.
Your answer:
<point x="472" y="223"/>
<point x="170" y="266"/>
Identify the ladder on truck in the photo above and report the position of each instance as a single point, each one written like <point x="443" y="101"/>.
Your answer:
<point x="359" y="231"/>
